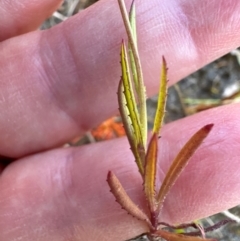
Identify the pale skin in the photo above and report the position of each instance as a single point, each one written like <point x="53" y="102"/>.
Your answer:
<point x="59" y="83"/>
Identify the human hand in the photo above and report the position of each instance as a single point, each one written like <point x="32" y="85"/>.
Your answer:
<point x="58" y="83"/>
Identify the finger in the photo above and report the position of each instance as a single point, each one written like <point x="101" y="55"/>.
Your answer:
<point x="62" y="82"/>
<point x="64" y="193"/>
<point x="18" y="17"/>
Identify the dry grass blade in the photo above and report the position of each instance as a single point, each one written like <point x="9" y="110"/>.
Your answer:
<point x="124" y="200"/>
<point x="178" y="237"/>
<point x="150" y="173"/>
<point x="181" y="161"/>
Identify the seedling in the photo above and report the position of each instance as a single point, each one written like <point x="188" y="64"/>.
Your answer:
<point x="131" y="90"/>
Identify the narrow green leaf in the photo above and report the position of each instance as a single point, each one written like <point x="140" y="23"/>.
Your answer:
<point x="127" y="123"/>
<point x="124" y="200"/>
<point x="181" y="161"/>
<point x="129" y="96"/>
<point x="128" y="126"/>
<point x="150" y="173"/>
<point x="141" y="88"/>
<point x="134" y="73"/>
<point x="162" y="98"/>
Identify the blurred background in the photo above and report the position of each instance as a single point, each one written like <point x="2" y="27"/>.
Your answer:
<point x="216" y="84"/>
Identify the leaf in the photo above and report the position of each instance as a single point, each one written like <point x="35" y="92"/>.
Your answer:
<point x="181" y="161"/>
<point x="127" y="105"/>
<point x="132" y="19"/>
<point x="129" y="127"/>
<point x="124" y="200"/>
<point x="150" y="173"/>
<point x="129" y="96"/>
<point x="141" y="89"/>
<point x="162" y="98"/>
<point x="178" y="237"/>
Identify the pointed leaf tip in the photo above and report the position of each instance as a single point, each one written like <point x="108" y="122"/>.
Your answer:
<point x="180" y="161"/>
<point x="208" y="127"/>
<point x="164" y="61"/>
<point x="133" y="2"/>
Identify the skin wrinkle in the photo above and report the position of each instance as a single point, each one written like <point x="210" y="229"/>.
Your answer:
<point x="91" y="79"/>
<point x="67" y="103"/>
<point x="18" y="126"/>
<point x="197" y="160"/>
<point x="59" y="94"/>
<point x="83" y="231"/>
<point x="216" y="18"/>
<point x="183" y="36"/>
<point x="18" y="17"/>
<point x="103" y="50"/>
<point x="100" y="160"/>
<point x="190" y="203"/>
<point x="209" y="185"/>
<point x="156" y="26"/>
<point x="63" y="183"/>
<point x="93" y="36"/>
<point x="53" y="85"/>
<point x="8" y="102"/>
<point x="164" y="134"/>
<point x="61" y="208"/>
<point x="25" y="93"/>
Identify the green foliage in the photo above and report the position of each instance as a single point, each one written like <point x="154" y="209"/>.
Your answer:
<point x="132" y="106"/>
